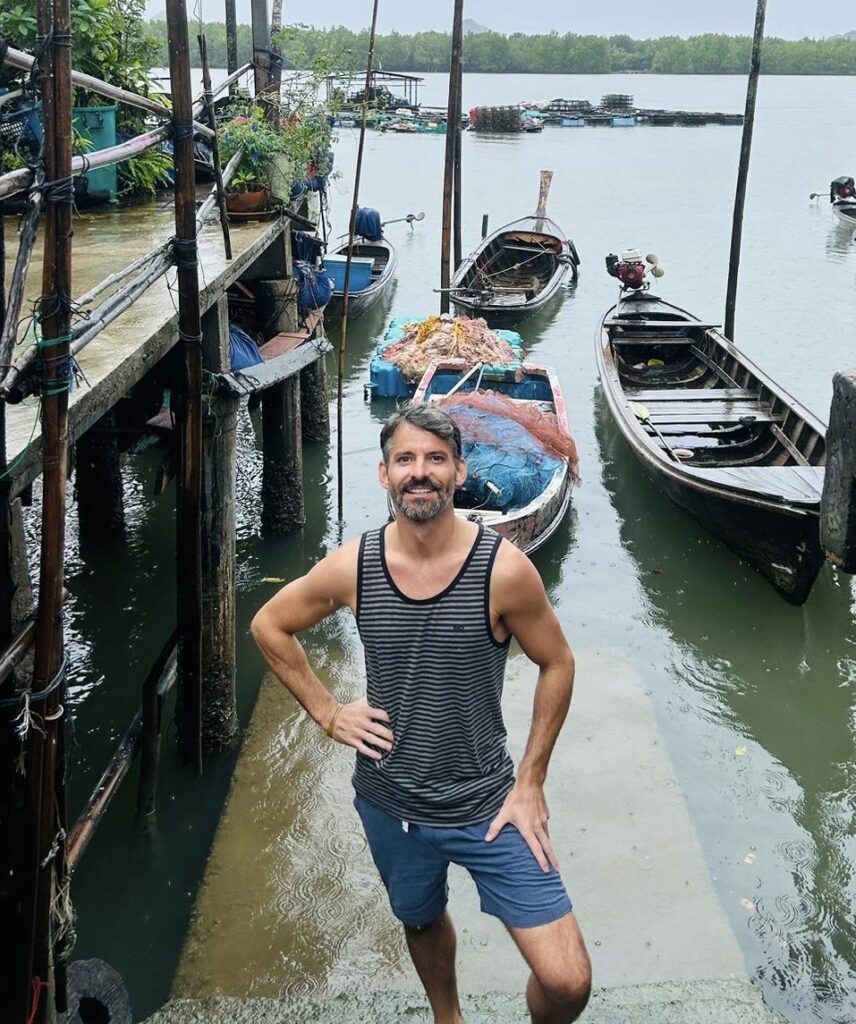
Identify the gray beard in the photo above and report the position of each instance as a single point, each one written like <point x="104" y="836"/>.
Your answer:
<point x="424" y="511"/>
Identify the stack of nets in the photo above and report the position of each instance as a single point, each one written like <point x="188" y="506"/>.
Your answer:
<point x="514" y="447"/>
<point x="446" y="337"/>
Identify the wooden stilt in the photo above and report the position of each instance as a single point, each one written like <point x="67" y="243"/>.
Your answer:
<point x="45" y="746"/>
<point x="451" y="146"/>
<point x="314" y="403"/>
<point x="215" y="146"/>
<point x="219" y="703"/>
<point x="100" y="495"/>
<point x="231" y="40"/>
<point x="743" y="169"/>
<point x="283" y="508"/>
<point x="189" y="490"/>
<point x="456" y="188"/>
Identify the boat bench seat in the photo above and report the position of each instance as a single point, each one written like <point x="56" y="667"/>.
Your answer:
<point x="698" y="394"/>
<point x="652" y="340"/>
<point x="694" y="418"/>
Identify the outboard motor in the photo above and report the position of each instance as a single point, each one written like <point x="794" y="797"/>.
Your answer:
<point x="842" y="188"/>
<point x="630" y="268"/>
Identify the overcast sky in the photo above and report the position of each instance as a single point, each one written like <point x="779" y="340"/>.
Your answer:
<point x="792" y="19"/>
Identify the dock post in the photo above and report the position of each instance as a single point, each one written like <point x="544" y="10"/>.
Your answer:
<point x="98" y="478"/>
<point x="314" y="405"/>
<point x="189" y="395"/>
<point x="838" y="504"/>
<point x="219" y="423"/>
<point x="283" y="508"/>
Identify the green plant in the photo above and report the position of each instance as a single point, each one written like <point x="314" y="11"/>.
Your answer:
<point x="145" y="174"/>
<point x="261" y="144"/>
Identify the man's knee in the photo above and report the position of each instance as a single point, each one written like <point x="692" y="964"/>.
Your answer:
<point x="570" y="987"/>
<point x="416" y="930"/>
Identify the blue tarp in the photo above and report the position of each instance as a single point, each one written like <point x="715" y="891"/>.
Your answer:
<point x="306" y="247"/>
<point x="368" y="224"/>
<point x="313" y="286"/>
<point x="243" y="351"/>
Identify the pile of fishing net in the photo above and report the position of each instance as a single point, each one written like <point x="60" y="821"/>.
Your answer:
<point x="447" y="337"/>
<point x="512" y="449"/>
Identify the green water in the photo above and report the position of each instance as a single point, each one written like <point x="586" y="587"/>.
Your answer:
<point x="754" y="698"/>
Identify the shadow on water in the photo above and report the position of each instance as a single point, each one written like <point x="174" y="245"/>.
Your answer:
<point x="775" y="813"/>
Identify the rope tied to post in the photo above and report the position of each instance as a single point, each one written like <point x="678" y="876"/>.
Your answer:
<point x="185" y="252"/>
<point x="182" y="130"/>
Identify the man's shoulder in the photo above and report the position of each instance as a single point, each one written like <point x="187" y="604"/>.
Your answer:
<point x="513" y="572"/>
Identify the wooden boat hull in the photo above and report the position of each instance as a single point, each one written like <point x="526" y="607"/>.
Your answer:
<point x="383" y="275"/>
<point x="515" y="272"/>
<point x="532" y="525"/>
<point x="757" y="493"/>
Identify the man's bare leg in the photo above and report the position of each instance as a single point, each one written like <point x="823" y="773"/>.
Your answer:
<point x="432" y="950"/>
<point x="560" y="983"/>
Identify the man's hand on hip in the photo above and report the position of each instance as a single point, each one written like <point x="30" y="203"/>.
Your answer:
<point x="363" y="727"/>
<point x="525" y="807"/>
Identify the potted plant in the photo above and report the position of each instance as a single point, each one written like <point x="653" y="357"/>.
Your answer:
<point x="262" y="144"/>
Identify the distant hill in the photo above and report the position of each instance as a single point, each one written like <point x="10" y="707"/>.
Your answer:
<point x="472" y="28"/>
<point x="848" y="35"/>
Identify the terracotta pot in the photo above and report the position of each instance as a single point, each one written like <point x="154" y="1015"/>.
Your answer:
<point x="247" y="202"/>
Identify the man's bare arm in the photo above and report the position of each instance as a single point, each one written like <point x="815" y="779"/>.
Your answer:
<point x="518" y="596"/>
<point x="305" y="602"/>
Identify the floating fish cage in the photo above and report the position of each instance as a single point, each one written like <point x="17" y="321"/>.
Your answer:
<point x="496" y="119"/>
<point x="618" y="101"/>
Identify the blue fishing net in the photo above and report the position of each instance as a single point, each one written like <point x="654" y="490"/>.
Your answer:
<point x="503" y="453"/>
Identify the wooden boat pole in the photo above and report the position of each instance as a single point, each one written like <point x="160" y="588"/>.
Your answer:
<point x="449" y="175"/>
<point x="189" y="489"/>
<point x="456" y="201"/>
<point x="231" y="39"/>
<point x="543" y="195"/>
<point x="215" y="146"/>
<point x="45" y="745"/>
<point x="743" y="169"/>
<point x="352" y="228"/>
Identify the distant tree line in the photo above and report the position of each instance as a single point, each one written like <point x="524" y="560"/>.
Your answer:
<point x="708" y="54"/>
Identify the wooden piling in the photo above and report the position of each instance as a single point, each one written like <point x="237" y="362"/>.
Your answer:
<point x="283" y="509"/>
<point x="261" y="53"/>
<point x="45" y="746"/>
<point x="485" y="221"/>
<point x="449" y="174"/>
<point x="219" y="424"/>
<point x="98" y="482"/>
<point x="231" y="41"/>
<point x="314" y="404"/>
<point x="189" y="489"/>
<point x="838" y="505"/>
<point x="743" y="168"/>
<point x="456" y="187"/>
<point x="215" y="146"/>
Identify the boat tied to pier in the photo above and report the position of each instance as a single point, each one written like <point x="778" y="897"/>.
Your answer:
<point x="521" y="459"/>
<point x="518" y="269"/>
<point x="714" y="432"/>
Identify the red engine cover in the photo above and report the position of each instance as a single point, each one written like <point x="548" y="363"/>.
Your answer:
<point x="631" y="275"/>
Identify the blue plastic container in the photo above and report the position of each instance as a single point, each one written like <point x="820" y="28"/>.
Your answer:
<point x="361" y="272"/>
<point x="98" y="125"/>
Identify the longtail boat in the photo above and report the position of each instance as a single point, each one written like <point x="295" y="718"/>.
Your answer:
<point x="518" y="269"/>
<point x="372" y="272"/>
<point x="717" y="435"/>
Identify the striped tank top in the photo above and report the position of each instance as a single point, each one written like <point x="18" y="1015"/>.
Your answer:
<point x="435" y="667"/>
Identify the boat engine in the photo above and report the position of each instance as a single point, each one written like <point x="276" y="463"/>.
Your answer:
<point x="842" y="188"/>
<point x="630" y="268"/>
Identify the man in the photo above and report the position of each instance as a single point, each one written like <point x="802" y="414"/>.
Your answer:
<point x="437" y="600"/>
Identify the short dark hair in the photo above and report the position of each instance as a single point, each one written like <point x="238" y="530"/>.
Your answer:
<point x="425" y="416"/>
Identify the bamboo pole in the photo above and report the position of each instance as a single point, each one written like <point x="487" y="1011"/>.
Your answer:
<point x="19" y="59"/>
<point x="456" y="199"/>
<point x="343" y="330"/>
<point x="9" y="321"/>
<point x="449" y="174"/>
<point x="46" y="797"/>
<point x="743" y="168"/>
<point x="19" y="181"/>
<point x="215" y="147"/>
<point x="189" y="490"/>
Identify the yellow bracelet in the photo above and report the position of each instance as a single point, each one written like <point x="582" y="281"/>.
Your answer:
<point x="332" y="725"/>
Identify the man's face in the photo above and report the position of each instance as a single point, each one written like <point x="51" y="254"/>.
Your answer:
<point x="421" y="474"/>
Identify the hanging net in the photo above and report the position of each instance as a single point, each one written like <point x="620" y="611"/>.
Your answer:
<point x="513" y="449"/>
<point x="447" y="337"/>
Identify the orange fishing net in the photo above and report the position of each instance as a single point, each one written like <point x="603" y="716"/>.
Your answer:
<point x="446" y="337"/>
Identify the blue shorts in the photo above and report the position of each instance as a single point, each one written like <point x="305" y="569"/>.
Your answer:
<point x="413" y="862"/>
